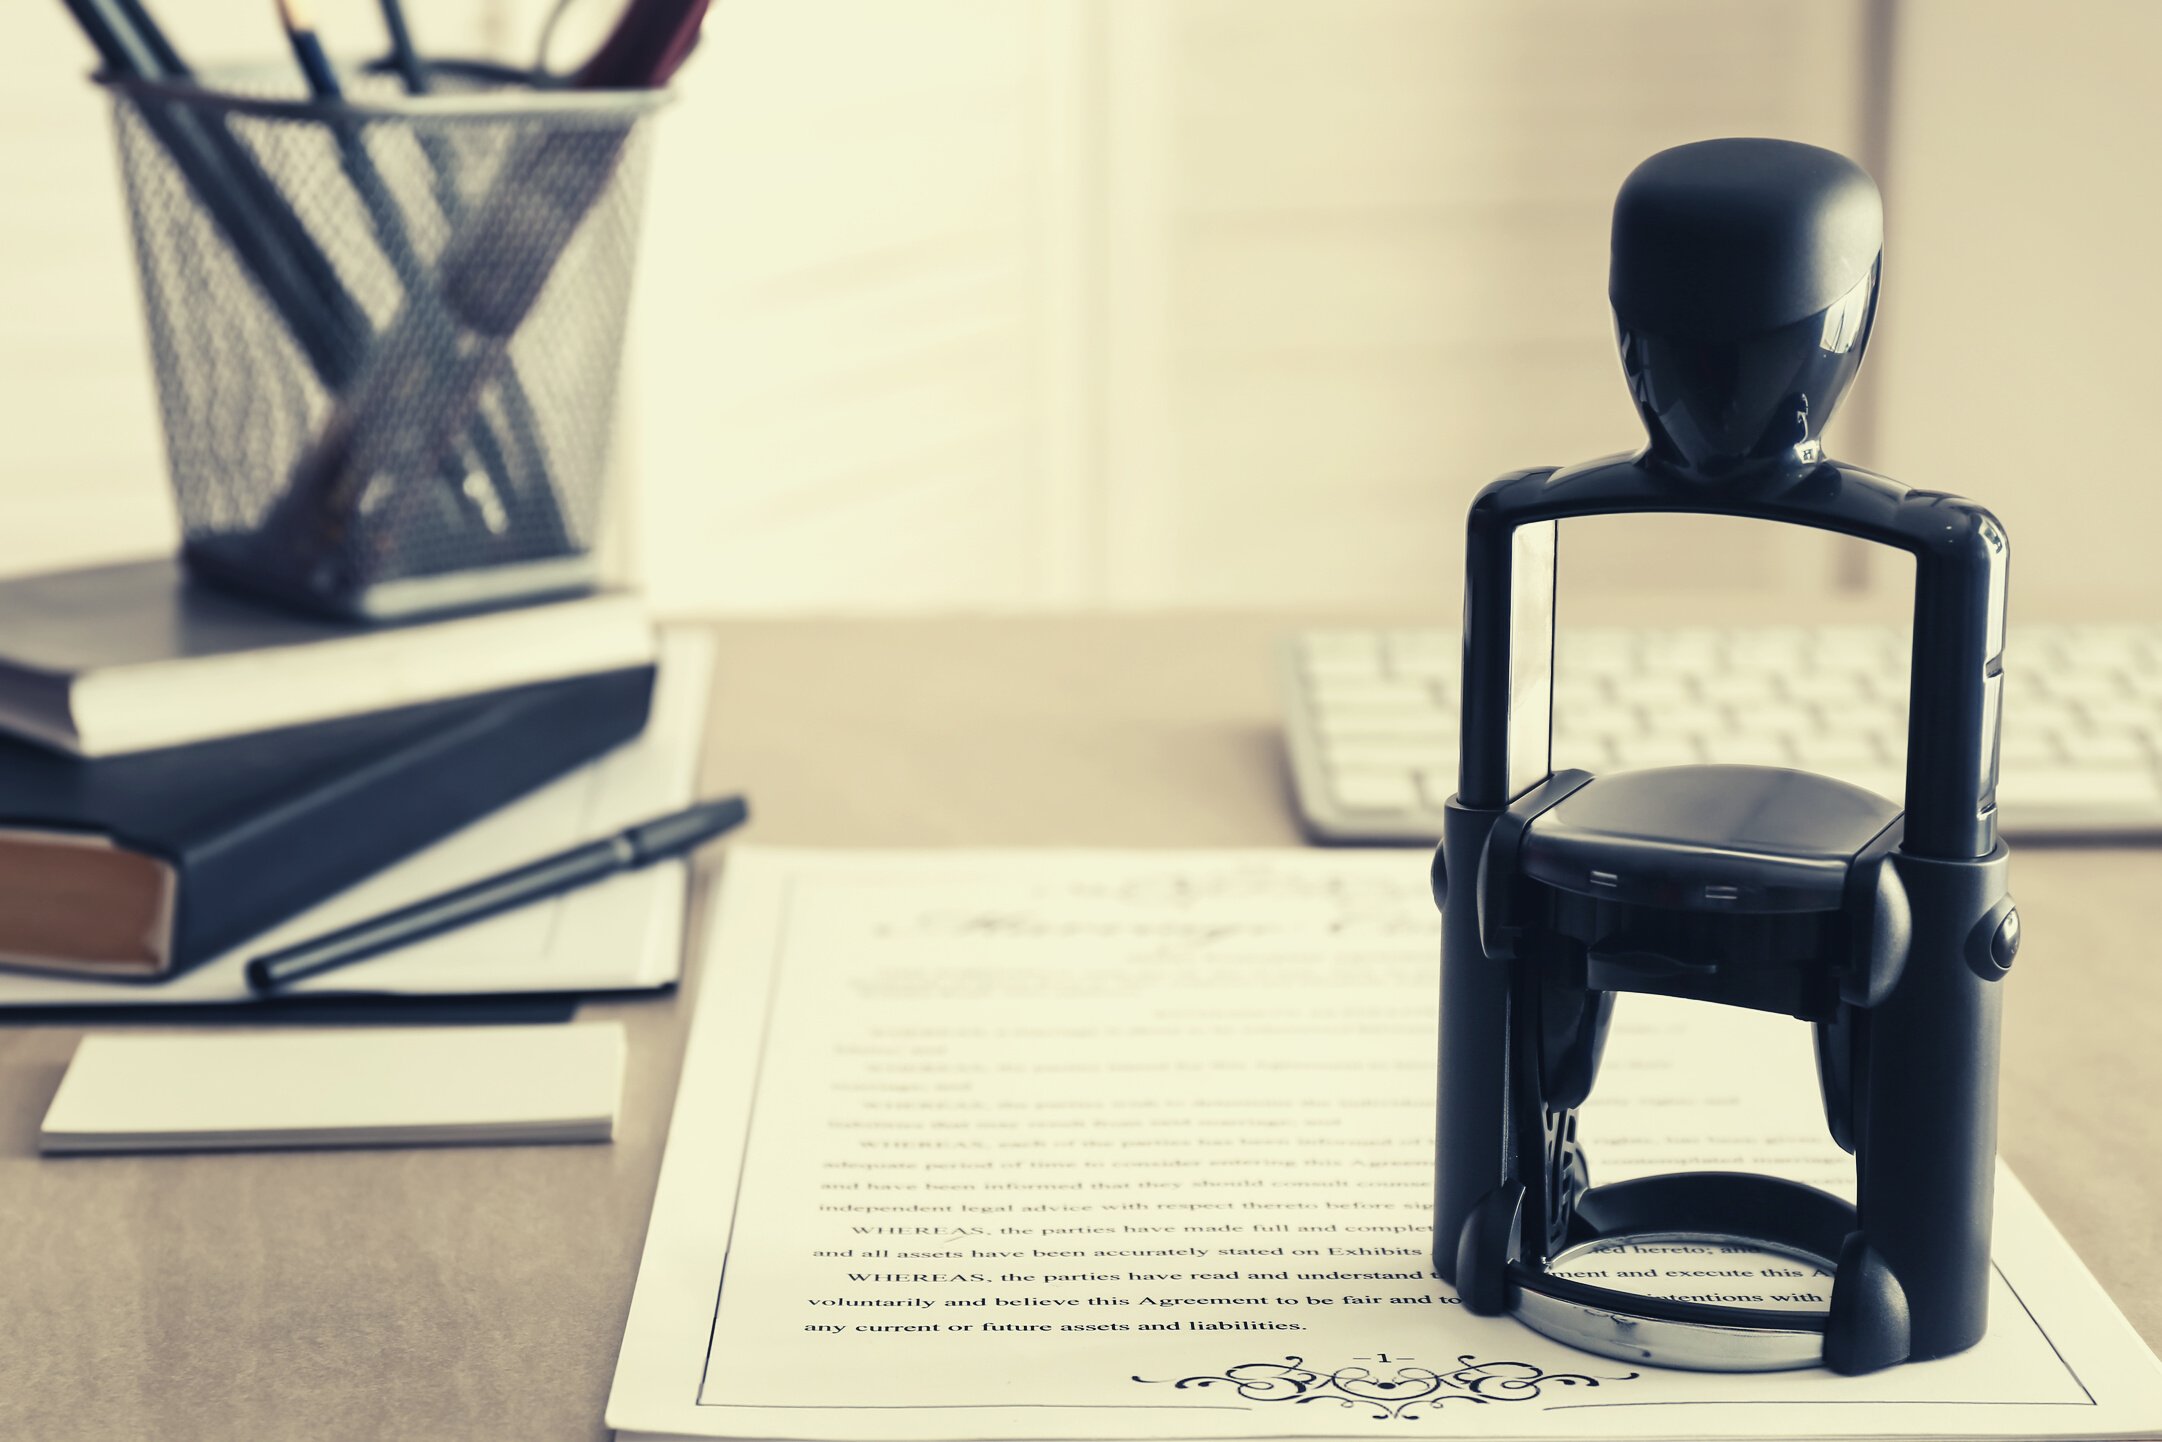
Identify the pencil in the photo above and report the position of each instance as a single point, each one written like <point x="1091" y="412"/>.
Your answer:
<point x="231" y="185"/>
<point x="403" y="57"/>
<point x="308" y="50"/>
<point x="387" y="220"/>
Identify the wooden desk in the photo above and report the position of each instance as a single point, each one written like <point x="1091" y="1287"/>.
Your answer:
<point x="481" y="1292"/>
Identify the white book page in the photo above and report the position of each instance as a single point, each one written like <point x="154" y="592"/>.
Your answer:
<point x="1138" y="1145"/>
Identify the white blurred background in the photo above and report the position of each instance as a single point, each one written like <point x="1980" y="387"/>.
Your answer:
<point x="1016" y="304"/>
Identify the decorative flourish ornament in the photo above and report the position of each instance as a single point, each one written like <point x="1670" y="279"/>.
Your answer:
<point x="1387" y="1396"/>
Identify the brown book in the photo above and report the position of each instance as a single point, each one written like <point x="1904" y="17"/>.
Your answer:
<point x="136" y="867"/>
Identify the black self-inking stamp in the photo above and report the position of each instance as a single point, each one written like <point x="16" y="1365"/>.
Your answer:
<point x="1744" y="281"/>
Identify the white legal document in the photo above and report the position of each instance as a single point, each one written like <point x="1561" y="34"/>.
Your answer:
<point x="1138" y="1145"/>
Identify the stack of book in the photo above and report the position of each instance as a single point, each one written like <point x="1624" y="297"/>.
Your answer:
<point x="184" y="770"/>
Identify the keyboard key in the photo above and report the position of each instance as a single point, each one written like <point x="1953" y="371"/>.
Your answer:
<point x="1855" y="646"/>
<point x="1857" y="718"/>
<point x="1437" y="668"/>
<point x="1340" y="644"/>
<point x="1377" y="755"/>
<point x="2119" y="747"/>
<point x="1584" y="642"/>
<point x="1687" y="718"/>
<point x="1600" y="722"/>
<point x="2044" y="716"/>
<point x="2019" y="748"/>
<point x="1681" y="658"/>
<point x="1351" y="727"/>
<point x="2081" y="752"/>
<point x="1739" y="750"/>
<point x="1782" y="719"/>
<point x="1739" y="689"/>
<point x="1827" y="752"/>
<point x="1765" y="656"/>
<point x="2124" y="713"/>
<point x="1334" y="654"/>
<point x="1590" y="755"/>
<point x="1373" y="790"/>
<point x="2077" y="684"/>
<point x="2106" y="789"/>
<point x="1646" y="751"/>
<point x="1437" y="784"/>
<point x="1343" y="668"/>
<point x="1355" y="693"/>
<point x="2099" y="651"/>
<point x="1580" y="659"/>
<point x="1422" y="653"/>
<point x="1653" y="691"/>
<point x="1828" y="688"/>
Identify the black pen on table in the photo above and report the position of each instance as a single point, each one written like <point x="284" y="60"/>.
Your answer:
<point x="640" y="845"/>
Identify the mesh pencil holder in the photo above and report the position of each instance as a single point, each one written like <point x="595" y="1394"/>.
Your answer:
<point x="386" y="331"/>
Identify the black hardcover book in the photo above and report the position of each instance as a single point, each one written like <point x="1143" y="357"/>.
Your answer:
<point x="138" y="867"/>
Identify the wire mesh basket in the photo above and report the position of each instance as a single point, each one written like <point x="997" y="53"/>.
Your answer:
<point x="386" y="331"/>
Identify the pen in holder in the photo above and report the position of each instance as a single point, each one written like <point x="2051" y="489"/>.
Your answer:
<point x="387" y="331"/>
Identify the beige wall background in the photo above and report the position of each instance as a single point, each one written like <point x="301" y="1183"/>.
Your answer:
<point x="1040" y="303"/>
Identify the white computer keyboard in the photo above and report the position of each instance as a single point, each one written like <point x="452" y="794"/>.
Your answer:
<point x="1371" y="718"/>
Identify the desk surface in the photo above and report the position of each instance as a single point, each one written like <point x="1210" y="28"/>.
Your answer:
<point x="481" y="1292"/>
